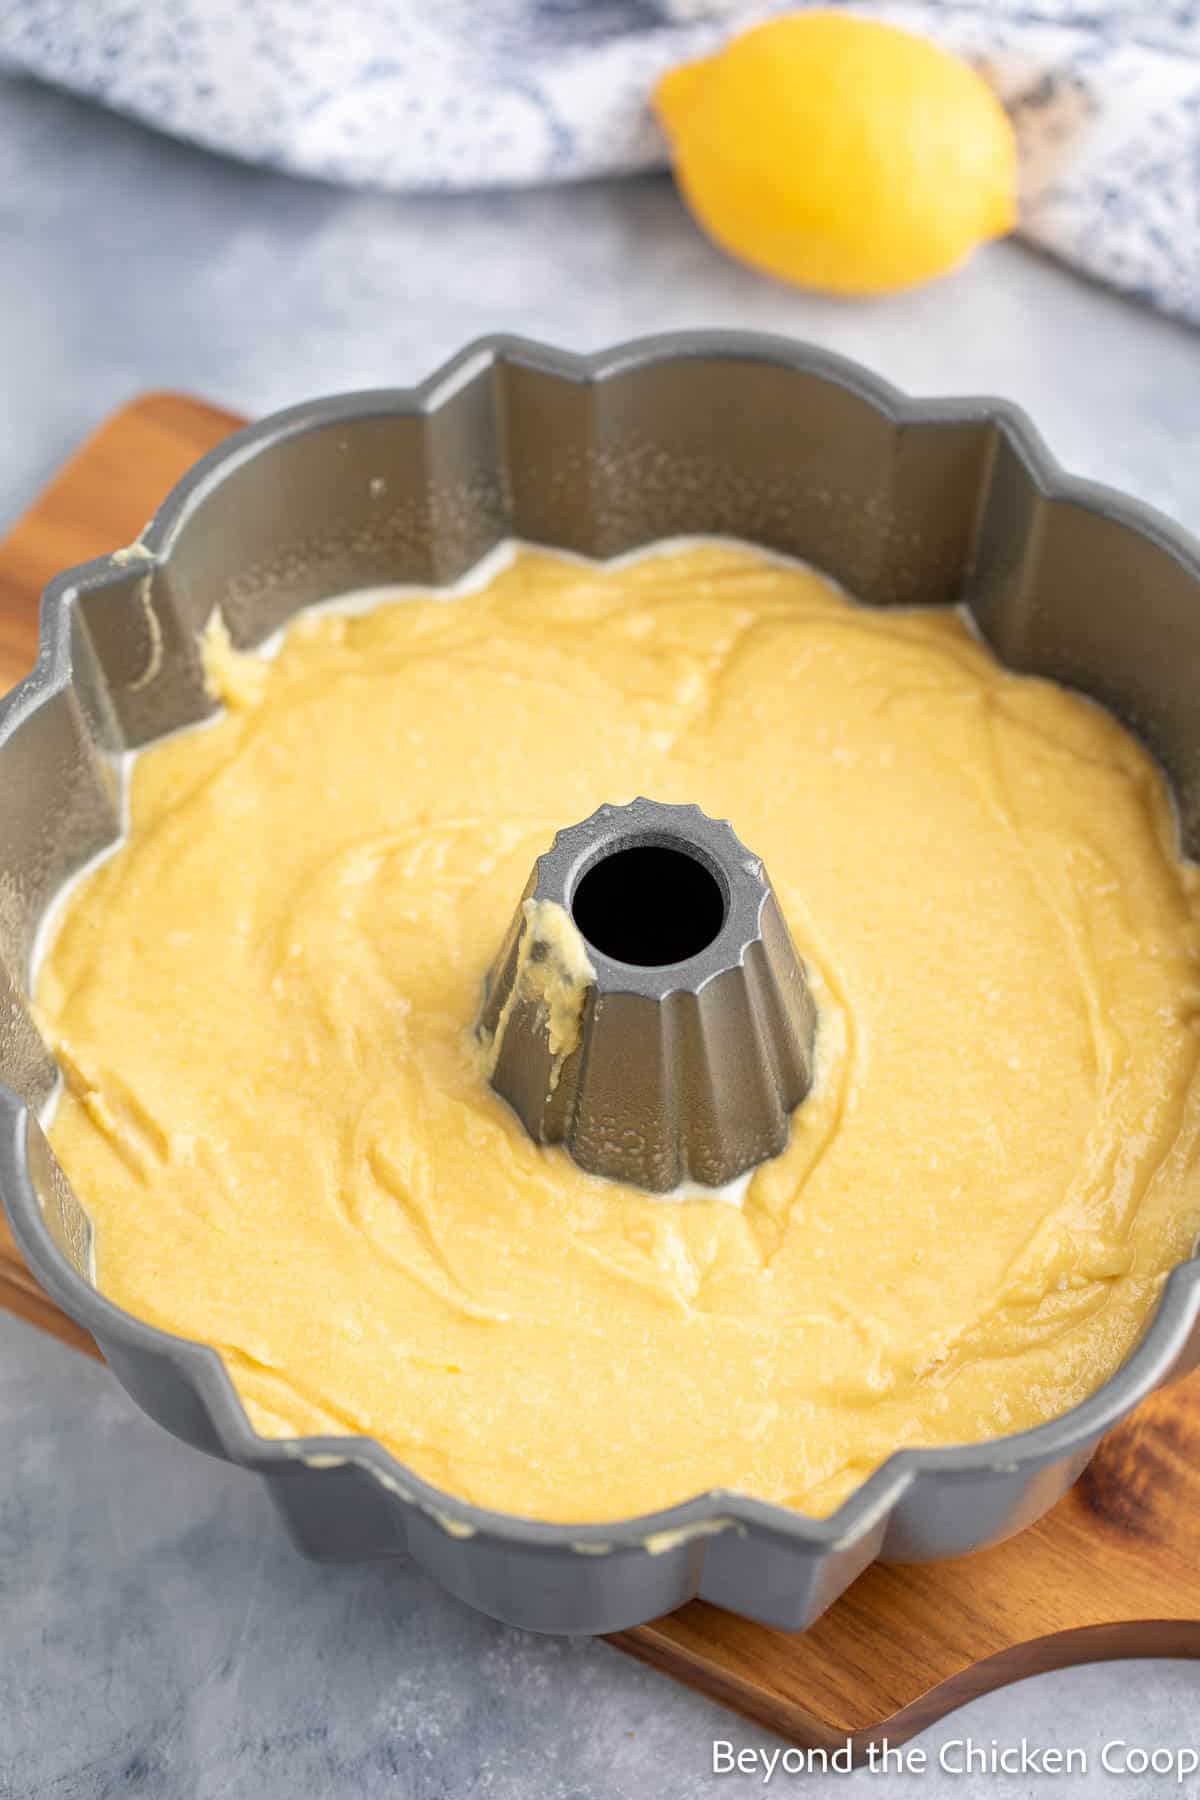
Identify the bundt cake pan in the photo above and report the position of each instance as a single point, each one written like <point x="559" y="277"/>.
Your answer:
<point x="796" y="450"/>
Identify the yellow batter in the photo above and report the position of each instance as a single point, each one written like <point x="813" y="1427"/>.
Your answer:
<point x="275" y="1115"/>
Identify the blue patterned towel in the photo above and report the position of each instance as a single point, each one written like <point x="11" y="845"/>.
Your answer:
<point x="446" y="94"/>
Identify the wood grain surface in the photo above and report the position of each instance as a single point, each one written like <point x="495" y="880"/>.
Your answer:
<point x="1113" y="1571"/>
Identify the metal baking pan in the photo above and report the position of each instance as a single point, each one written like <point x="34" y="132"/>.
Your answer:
<point x="789" y="447"/>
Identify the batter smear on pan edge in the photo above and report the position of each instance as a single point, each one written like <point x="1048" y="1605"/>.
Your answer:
<point x="275" y="1114"/>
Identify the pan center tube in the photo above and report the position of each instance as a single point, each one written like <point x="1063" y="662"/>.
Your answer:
<point x="648" y="905"/>
<point x="647" y="1008"/>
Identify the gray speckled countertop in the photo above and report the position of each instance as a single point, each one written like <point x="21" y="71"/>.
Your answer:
<point x="158" y="1635"/>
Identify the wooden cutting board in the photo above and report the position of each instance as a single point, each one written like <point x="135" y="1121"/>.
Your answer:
<point x="1113" y="1571"/>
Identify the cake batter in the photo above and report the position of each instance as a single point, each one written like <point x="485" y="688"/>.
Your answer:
<point x="277" y="1115"/>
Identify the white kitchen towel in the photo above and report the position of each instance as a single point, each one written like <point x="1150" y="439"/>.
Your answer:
<point x="424" y="95"/>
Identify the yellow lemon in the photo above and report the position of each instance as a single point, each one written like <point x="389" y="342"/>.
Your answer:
<point x="840" y="153"/>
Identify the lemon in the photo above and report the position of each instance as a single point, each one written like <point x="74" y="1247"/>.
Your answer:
<point x="840" y="153"/>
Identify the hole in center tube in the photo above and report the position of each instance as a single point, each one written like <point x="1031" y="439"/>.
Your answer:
<point x="649" y="905"/>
